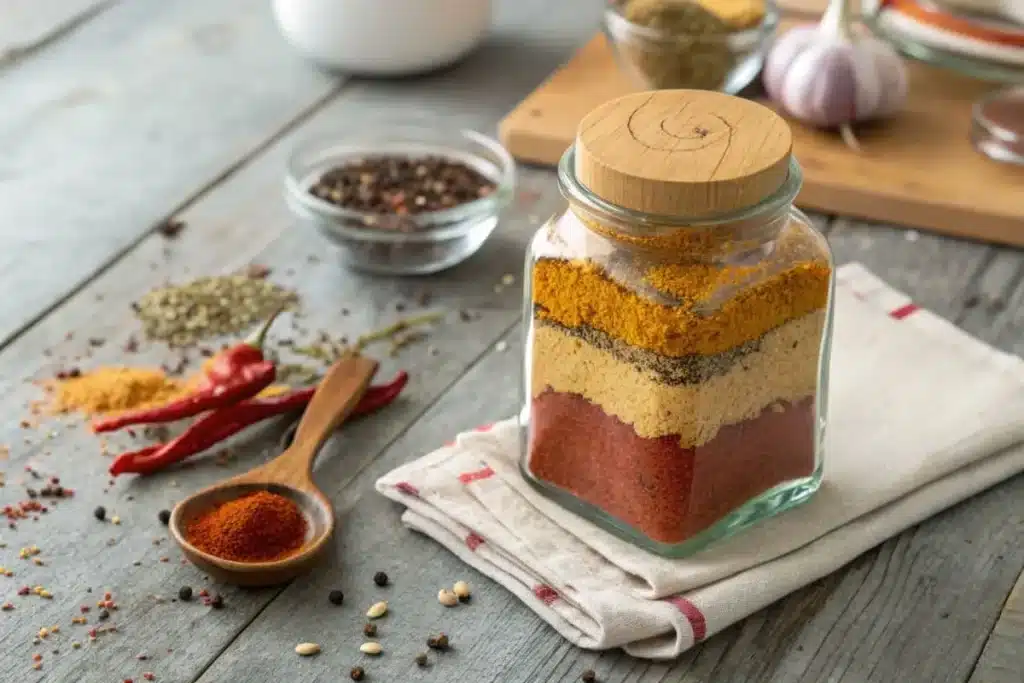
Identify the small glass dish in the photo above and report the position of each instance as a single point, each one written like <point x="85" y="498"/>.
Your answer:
<point x="997" y="125"/>
<point x="392" y="244"/>
<point x="655" y="60"/>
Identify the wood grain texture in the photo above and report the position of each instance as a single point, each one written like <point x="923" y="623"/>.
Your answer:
<point x="917" y="169"/>
<point x="1002" y="660"/>
<point x="112" y="128"/>
<point x="27" y="25"/>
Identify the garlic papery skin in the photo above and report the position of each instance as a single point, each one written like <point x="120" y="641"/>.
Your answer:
<point x="832" y="76"/>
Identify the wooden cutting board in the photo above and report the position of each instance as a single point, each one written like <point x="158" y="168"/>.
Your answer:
<point x="918" y="169"/>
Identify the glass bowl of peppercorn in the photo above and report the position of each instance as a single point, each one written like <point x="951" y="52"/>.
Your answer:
<point x="401" y="199"/>
<point x="693" y="44"/>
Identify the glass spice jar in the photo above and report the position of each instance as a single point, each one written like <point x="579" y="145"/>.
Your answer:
<point x="678" y="318"/>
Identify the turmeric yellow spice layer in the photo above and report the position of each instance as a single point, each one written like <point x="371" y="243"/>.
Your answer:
<point x="578" y="292"/>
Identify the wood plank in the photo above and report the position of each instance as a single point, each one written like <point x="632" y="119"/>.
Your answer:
<point x="114" y="127"/>
<point x="29" y="24"/>
<point x="242" y="219"/>
<point x="1002" y="660"/>
<point x="891" y="180"/>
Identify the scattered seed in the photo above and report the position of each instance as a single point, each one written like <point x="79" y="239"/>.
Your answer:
<point x="421" y="659"/>
<point x="501" y="346"/>
<point x="461" y="590"/>
<point x="164" y="516"/>
<point x="336" y="597"/>
<point x="371" y="648"/>
<point x="171" y="228"/>
<point x="508" y="279"/>
<point x="377" y="610"/>
<point x="217" y="601"/>
<point x="447" y="598"/>
<point x="357" y="673"/>
<point x="185" y="593"/>
<point x="588" y="676"/>
<point x="307" y="649"/>
<point x="380" y="578"/>
<point x="370" y="630"/>
<point x="115" y="520"/>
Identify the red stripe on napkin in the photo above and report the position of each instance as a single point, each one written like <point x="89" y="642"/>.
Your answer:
<point x="407" y="488"/>
<point x="546" y="594"/>
<point x="484" y="428"/>
<point x="693" y="615"/>
<point x="903" y="311"/>
<point x="467" y="477"/>
<point x="474" y="541"/>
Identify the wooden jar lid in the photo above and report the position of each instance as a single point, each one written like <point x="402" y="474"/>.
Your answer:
<point x="684" y="153"/>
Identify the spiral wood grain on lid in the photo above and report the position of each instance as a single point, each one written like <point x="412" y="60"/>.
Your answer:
<point x="684" y="153"/>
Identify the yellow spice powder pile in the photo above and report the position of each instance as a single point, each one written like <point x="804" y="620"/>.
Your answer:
<point x="113" y="389"/>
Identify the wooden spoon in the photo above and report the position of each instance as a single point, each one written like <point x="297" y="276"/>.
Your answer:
<point x="289" y="474"/>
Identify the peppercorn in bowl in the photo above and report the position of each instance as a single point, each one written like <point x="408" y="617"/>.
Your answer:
<point x="401" y="199"/>
<point x="690" y="44"/>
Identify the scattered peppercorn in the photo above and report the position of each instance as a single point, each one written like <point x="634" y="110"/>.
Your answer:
<point x="380" y="578"/>
<point x="421" y="659"/>
<point x="438" y="642"/>
<point x="336" y="597"/>
<point x="100" y="513"/>
<point x="217" y="601"/>
<point x="164" y="516"/>
<point x="104" y="615"/>
<point x="370" y="630"/>
<point x="357" y="673"/>
<point x="185" y="593"/>
<point x="589" y="676"/>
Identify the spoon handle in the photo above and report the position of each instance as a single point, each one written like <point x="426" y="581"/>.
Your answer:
<point x="340" y="390"/>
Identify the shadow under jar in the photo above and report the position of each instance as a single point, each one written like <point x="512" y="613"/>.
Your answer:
<point x="678" y="318"/>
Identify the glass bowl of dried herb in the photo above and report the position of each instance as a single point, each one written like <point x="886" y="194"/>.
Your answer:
<point x="401" y="198"/>
<point x="694" y="44"/>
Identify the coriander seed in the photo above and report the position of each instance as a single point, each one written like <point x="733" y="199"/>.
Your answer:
<point x="369" y="630"/>
<point x="421" y="659"/>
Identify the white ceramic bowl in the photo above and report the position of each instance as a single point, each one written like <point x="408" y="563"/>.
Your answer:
<point x="383" y="37"/>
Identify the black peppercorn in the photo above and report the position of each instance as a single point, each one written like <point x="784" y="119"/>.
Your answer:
<point x="380" y="578"/>
<point x="438" y="642"/>
<point x="370" y="630"/>
<point x="104" y="615"/>
<point x="336" y="597"/>
<point x="421" y="659"/>
<point x="357" y="673"/>
<point x="32" y="493"/>
<point x="185" y="593"/>
<point x="589" y="676"/>
<point x="164" y="516"/>
<point x="217" y="601"/>
<point x="100" y="513"/>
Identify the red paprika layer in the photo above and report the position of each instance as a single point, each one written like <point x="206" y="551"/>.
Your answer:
<point x="664" y="491"/>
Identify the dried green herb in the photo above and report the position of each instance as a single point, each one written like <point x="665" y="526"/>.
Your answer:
<point x="691" y="52"/>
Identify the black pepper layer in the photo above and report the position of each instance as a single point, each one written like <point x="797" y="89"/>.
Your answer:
<point x="670" y="370"/>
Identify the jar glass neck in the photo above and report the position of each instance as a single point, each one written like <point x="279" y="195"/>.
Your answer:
<point x="724" y="237"/>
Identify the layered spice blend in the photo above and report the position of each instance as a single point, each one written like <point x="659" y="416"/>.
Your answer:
<point x="668" y="395"/>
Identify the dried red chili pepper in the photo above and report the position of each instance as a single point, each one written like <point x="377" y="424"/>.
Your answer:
<point x="237" y="373"/>
<point x="221" y="424"/>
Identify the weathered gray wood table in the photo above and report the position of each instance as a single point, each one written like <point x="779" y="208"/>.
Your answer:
<point x="117" y="115"/>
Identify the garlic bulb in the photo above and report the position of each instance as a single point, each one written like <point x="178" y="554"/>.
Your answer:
<point x="831" y="76"/>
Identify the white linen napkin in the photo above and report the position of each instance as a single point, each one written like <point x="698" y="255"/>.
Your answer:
<point x="921" y="416"/>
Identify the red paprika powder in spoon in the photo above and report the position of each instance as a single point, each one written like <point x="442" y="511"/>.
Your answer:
<point x="258" y="527"/>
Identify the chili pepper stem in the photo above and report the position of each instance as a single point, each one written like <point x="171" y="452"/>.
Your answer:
<point x="257" y="338"/>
